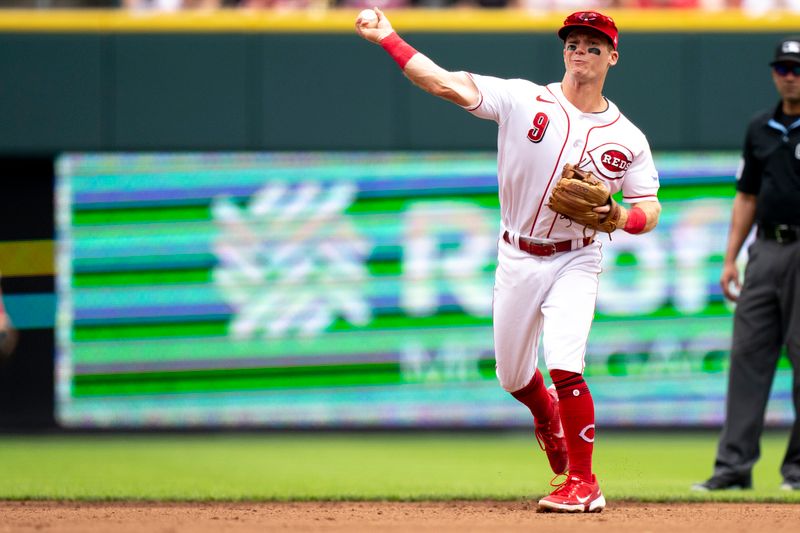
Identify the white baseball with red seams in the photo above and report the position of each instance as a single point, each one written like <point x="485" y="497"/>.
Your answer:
<point x="367" y="15"/>
<point x="553" y="296"/>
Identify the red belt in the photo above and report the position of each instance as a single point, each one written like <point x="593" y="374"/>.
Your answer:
<point x="545" y="249"/>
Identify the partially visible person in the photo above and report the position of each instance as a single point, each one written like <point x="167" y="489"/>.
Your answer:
<point x="767" y="316"/>
<point x="8" y="335"/>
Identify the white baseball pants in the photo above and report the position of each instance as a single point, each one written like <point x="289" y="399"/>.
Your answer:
<point x="549" y="297"/>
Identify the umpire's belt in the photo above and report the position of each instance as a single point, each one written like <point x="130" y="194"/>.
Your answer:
<point x="782" y="233"/>
<point x="547" y="248"/>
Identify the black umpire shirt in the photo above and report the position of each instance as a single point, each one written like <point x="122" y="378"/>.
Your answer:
<point x="771" y="167"/>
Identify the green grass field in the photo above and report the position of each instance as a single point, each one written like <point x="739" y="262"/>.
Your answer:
<point x="360" y="466"/>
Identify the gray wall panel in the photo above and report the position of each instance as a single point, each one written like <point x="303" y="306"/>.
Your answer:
<point x="328" y="92"/>
<point x="731" y="79"/>
<point x="52" y="92"/>
<point x="254" y="91"/>
<point x="181" y="91"/>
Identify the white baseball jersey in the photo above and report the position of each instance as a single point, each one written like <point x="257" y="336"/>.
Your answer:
<point x="539" y="132"/>
<point x="552" y="297"/>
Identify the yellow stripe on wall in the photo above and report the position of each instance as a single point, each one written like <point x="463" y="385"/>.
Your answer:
<point x="342" y="20"/>
<point x="26" y="258"/>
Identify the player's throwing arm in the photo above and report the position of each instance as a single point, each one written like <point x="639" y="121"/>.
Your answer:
<point x="459" y="88"/>
<point x="456" y="87"/>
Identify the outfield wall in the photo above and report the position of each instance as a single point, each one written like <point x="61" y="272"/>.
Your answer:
<point x="263" y="82"/>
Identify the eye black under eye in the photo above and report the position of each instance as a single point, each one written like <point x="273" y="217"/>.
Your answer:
<point x="593" y="50"/>
<point x="572" y="47"/>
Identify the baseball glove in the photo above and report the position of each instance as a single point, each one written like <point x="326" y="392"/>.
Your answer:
<point x="575" y="196"/>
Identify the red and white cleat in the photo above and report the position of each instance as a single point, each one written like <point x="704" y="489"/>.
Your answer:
<point x="574" y="496"/>
<point x="550" y="437"/>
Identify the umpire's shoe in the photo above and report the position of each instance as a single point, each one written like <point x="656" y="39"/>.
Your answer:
<point x="791" y="483"/>
<point x="729" y="481"/>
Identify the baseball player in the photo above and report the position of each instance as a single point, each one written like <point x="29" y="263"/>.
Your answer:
<point x="548" y="265"/>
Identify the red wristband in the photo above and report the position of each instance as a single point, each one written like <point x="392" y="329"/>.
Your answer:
<point x="636" y="220"/>
<point x="400" y="50"/>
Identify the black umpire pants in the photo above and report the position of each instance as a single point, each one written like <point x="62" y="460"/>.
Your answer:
<point x="767" y="317"/>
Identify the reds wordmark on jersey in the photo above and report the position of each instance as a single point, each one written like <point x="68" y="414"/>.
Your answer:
<point x="539" y="132"/>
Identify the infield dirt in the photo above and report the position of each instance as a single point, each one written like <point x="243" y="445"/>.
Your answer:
<point x="392" y="516"/>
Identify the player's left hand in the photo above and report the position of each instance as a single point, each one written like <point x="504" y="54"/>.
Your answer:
<point x="604" y="211"/>
<point x="585" y="199"/>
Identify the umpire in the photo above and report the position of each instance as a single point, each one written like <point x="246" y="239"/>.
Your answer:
<point x="768" y="311"/>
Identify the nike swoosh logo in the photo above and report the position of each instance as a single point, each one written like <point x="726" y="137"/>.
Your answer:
<point x="540" y="99"/>
<point x="584" y="500"/>
<point x="560" y="433"/>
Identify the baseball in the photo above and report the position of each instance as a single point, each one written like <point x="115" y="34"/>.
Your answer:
<point x="368" y="15"/>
